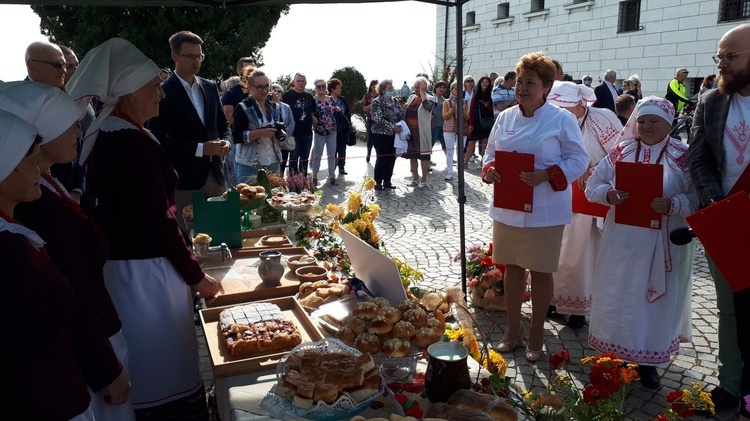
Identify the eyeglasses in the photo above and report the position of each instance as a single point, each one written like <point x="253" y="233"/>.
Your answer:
<point x="58" y="65"/>
<point x="262" y="87"/>
<point x="726" y="58"/>
<point x="320" y="86"/>
<point x="71" y="66"/>
<point x="198" y="57"/>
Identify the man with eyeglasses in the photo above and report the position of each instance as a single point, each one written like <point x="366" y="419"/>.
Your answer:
<point x="191" y="125"/>
<point x="717" y="156"/>
<point x="303" y="109"/>
<point x="46" y="63"/>
<point x="676" y="90"/>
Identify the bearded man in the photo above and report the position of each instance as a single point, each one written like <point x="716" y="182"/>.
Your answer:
<point x="718" y="155"/>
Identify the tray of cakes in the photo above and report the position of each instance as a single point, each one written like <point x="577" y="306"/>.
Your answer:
<point x="254" y="336"/>
<point x="263" y="239"/>
<point x="324" y="380"/>
<point x="313" y="295"/>
<point x="241" y="282"/>
<point x="395" y="335"/>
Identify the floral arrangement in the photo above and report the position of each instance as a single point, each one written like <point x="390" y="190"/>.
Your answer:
<point x="357" y="216"/>
<point x="492" y="361"/>
<point x="683" y="404"/>
<point x="484" y="278"/>
<point x="297" y="182"/>
<point x="604" y="398"/>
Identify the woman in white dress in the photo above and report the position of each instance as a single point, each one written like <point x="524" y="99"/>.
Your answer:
<point x="581" y="238"/>
<point x="642" y="283"/>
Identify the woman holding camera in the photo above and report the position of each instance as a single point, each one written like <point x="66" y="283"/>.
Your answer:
<point x="255" y="128"/>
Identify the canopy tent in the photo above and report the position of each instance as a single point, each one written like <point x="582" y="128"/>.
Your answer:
<point x="458" y="4"/>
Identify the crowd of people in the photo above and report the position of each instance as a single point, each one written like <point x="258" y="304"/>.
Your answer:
<point x="100" y="156"/>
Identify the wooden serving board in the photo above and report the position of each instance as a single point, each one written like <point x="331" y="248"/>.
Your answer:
<point x="225" y="365"/>
<point x="253" y="239"/>
<point x="240" y="281"/>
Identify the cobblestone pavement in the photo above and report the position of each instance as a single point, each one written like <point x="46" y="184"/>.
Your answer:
<point x="421" y="227"/>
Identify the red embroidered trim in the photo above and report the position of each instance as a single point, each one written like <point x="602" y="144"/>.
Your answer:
<point x="577" y="302"/>
<point x="638" y="356"/>
<point x="62" y="193"/>
<point x="557" y="178"/>
<point x="484" y="172"/>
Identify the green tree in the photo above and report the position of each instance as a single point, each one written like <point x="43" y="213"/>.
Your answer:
<point x="284" y="81"/>
<point x="227" y="34"/>
<point x="353" y="87"/>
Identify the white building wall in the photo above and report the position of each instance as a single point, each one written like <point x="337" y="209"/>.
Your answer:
<point x="673" y="34"/>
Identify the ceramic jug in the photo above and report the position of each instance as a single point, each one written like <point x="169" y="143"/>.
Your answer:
<point x="270" y="269"/>
<point x="447" y="370"/>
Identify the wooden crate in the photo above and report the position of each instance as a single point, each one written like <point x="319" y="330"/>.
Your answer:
<point x="256" y="239"/>
<point x="225" y="365"/>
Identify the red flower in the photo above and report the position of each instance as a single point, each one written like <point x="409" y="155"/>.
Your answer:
<point x="674" y="395"/>
<point x="500" y="267"/>
<point x="605" y="378"/>
<point x="556" y="360"/>
<point x="683" y="410"/>
<point x="487" y="262"/>
<point x="662" y="417"/>
<point x="489" y="249"/>
<point x="592" y="395"/>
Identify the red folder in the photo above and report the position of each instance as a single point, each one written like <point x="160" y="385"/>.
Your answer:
<point x="511" y="192"/>
<point x="723" y="232"/>
<point x="643" y="182"/>
<point x="583" y="206"/>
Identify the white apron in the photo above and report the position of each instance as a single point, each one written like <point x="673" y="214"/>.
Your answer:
<point x="574" y="278"/>
<point x="106" y="412"/>
<point x="155" y="307"/>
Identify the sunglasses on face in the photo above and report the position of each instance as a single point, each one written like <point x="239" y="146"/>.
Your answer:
<point x="469" y="81"/>
<point x="320" y="86"/>
<point x="58" y="66"/>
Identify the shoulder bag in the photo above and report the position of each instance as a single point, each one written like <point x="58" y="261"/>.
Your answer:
<point x="485" y="122"/>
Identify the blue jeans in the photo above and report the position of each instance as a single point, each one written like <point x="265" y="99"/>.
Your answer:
<point x="329" y="141"/>
<point x="300" y="156"/>
<point x="437" y="135"/>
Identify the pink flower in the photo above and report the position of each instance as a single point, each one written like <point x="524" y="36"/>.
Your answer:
<point x="747" y="402"/>
<point x="489" y="293"/>
<point x="473" y="282"/>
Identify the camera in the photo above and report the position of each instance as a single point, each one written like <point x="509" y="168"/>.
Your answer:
<point x="281" y="135"/>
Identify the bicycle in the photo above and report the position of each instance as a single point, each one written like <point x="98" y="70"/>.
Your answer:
<point x="683" y="123"/>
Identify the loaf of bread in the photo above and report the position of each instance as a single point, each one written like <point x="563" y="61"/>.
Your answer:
<point x="311" y="376"/>
<point x="468" y="405"/>
<point x="257" y="328"/>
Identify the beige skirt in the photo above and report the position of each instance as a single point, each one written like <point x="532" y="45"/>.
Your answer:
<point x="536" y="249"/>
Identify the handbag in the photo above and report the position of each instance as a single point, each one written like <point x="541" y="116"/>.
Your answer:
<point x="352" y="138"/>
<point x="289" y="144"/>
<point x="485" y="122"/>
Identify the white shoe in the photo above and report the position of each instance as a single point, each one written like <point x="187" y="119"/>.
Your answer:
<point x="448" y="177"/>
<point x="432" y="164"/>
<point x="421" y="185"/>
<point x="413" y="183"/>
<point x="472" y="159"/>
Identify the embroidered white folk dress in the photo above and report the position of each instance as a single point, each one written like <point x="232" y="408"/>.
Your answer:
<point x="641" y="295"/>
<point x="582" y="238"/>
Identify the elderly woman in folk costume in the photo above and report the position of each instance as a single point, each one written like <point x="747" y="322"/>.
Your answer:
<point x="150" y="267"/>
<point x="581" y="238"/>
<point x="74" y="244"/>
<point x="46" y="381"/>
<point x="641" y="295"/>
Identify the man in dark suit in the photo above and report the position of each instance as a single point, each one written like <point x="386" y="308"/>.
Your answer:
<point x="606" y="94"/>
<point x="191" y="125"/>
<point x="716" y="159"/>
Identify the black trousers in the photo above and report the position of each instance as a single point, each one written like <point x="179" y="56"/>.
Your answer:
<point x="742" y="313"/>
<point x="385" y="159"/>
<point x="342" y="137"/>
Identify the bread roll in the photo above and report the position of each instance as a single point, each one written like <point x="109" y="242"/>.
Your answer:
<point x="452" y="413"/>
<point x="492" y="405"/>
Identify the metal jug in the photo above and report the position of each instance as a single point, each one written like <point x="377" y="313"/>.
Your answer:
<point x="447" y="370"/>
<point x="270" y="269"/>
